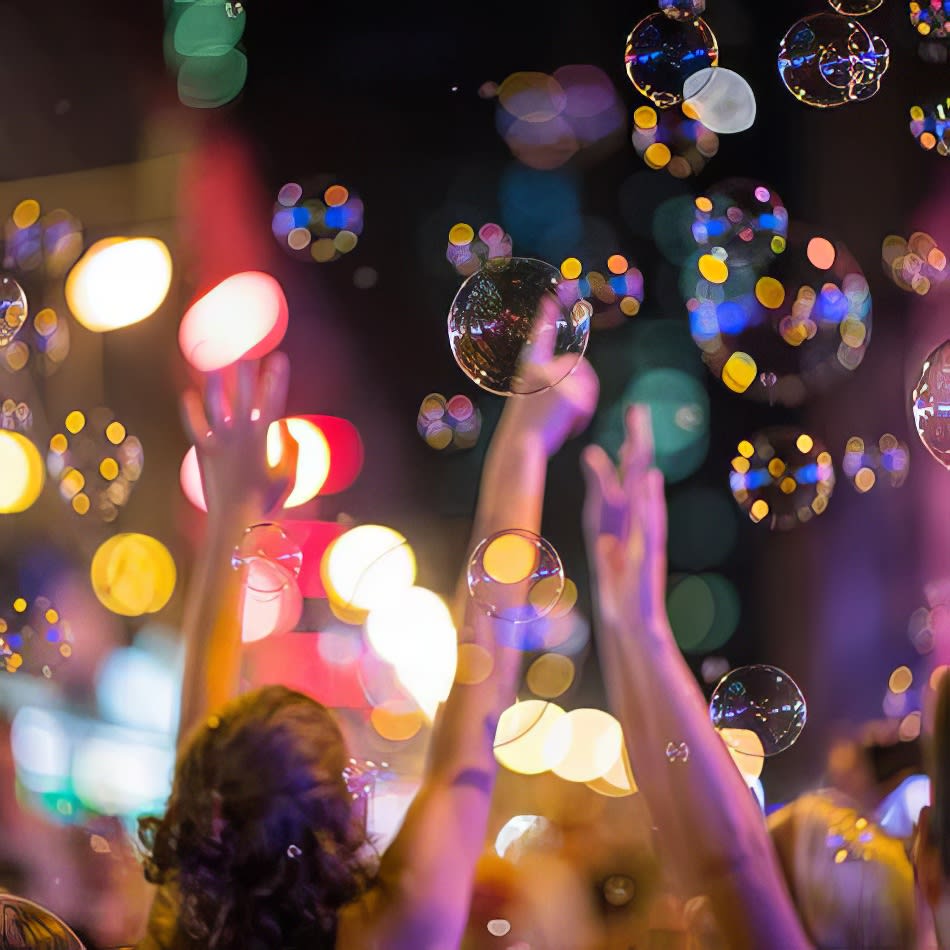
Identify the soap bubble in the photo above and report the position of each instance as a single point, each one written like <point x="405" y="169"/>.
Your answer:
<point x="745" y="218"/>
<point x="763" y="700"/>
<point x="505" y="315"/>
<point x="916" y="265"/>
<point x="721" y="99"/>
<point x="783" y="476"/>
<point x="866" y="463"/>
<point x="12" y="309"/>
<point x="677" y="752"/>
<point x="855" y="7"/>
<point x="662" y="52"/>
<point x="683" y="9"/>
<point x="321" y="228"/>
<point x="267" y="542"/>
<point x="794" y="324"/>
<point x="516" y="575"/>
<point x="931" y="404"/>
<point x="614" y="295"/>
<point x="827" y="60"/>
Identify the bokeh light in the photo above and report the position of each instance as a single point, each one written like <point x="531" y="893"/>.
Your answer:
<point x="827" y="60"/>
<point x="521" y="737"/>
<point x="763" y="700"/>
<point x="930" y="126"/>
<point x="35" y="639"/>
<point x="662" y="52"/>
<point x="550" y="675"/>
<point x="584" y="744"/>
<point x="703" y="528"/>
<point x="313" y="458"/>
<point x="49" y="244"/>
<point x="502" y="311"/>
<point x="454" y="423"/>
<point x="273" y="602"/>
<point x="467" y="253"/>
<point x="704" y="611"/>
<point x="782" y="476"/>
<point x="931" y="19"/>
<point x="23" y="474"/>
<point x="679" y="143"/>
<point x="614" y="295"/>
<point x="916" y="265"/>
<point x="868" y="462"/>
<point x="133" y="574"/>
<point x="243" y="317"/>
<point x="515" y="575"/>
<point x="364" y="568"/>
<point x="322" y="228"/>
<point x="118" y="282"/>
<point x="95" y="462"/>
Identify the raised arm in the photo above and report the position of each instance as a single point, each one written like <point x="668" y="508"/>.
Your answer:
<point x="708" y="824"/>
<point x="426" y="876"/>
<point x="228" y="428"/>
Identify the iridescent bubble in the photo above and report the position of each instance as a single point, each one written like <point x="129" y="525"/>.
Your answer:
<point x="855" y="7"/>
<point x="721" y="99"/>
<point x="827" y="60"/>
<point x="916" y="265"/>
<point x="795" y="323"/>
<point x="930" y="404"/>
<point x="13" y="309"/>
<point x="677" y="752"/>
<point x="662" y="52"/>
<point x="516" y="575"/>
<point x="500" y="325"/>
<point x="760" y="699"/>
<point x="782" y="476"/>
<point x="683" y="9"/>
<point x="267" y="542"/>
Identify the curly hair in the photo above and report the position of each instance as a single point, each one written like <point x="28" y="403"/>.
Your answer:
<point x="259" y="840"/>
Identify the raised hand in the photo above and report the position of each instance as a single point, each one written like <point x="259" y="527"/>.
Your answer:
<point x="625" y="527"/>
<point x="240" y="465"/>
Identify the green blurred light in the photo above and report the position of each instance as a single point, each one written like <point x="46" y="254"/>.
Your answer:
<point x="205" y="29"/>
<point x="206" y="82"/>
<point x="703" y="529"/>
<point x="692" y="611"/>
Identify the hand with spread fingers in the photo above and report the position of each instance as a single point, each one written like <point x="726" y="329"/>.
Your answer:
<point x="625" y="527"/>
<point x="240" y="463"/>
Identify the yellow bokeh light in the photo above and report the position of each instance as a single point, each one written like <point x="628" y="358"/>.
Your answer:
<point x="313" y="458"/>
<point x="510" y="559"/>
<point x="19" y="605"/>
<point x="746" y="449"/>
<point x="739" y="372"/>
<point x="657" y="156"/>
<point x="23" y="472"/>
<point x="115" y="432"/>
<point x="550" y="675"/>
<point x="566" y="601"/>
<point x="703" y="204"/>
<point x="26" y="213"/>
<point x="644" y="118"/>
<point x="629" y="306"/>
<point x="745" y="749"/>
<point x="365" y="567"/>
<point x="461" y="234"/>
<point x="740" y="465"/>
<point x="571" y="268"/>
<point x="71" y="482"/>
<point x="900" y="680"/>
<point x="583" y="744"/>
<point x="475" y="664"/>
<point x="75" y="422"/>
<point x="133" y="574"/>
<point x="46" y="321"/>
<point x="776" y="467"/>
<point x="58" y="443"/>
<point x="864" y="479"/>
<point x="119" y="282"/>
<point x="759" y="510"/>
<point x="109" y="469"/>
<point x="618" y="780"/>
<point x="521" y="736"/>
<point x="770" y="292"/>
<point x="804" y="443"/>
<point x="81" y="503"/>
<point x="713" y="269"/>
<point x="51" y="616"/>
<point x="787" y="485"/>
<point x="395" y="721"/>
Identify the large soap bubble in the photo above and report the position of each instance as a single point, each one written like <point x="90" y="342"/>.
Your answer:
<point x="763" y="700"/>
<point x="515" y="327"/>
<point x="782" y="476"/>
<point x="662" y="52"/>
<point x="931" y="404"/>
<point x="827" y="60"/>
<point x="794" y="324"/>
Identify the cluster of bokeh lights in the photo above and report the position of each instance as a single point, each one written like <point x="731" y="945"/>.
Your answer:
<point x="444" y="424"/>
<point x="679" y="143"/>
<point x="916" y="265"/>
<point x="320" y="229"/>
<point x="867" y="463"/>
<point x="930" y="126"/>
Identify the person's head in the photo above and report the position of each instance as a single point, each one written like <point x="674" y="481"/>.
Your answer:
<point x="852" y="884"/>
<point x="259" y="839"/>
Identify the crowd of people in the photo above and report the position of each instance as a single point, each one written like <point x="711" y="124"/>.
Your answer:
<point x="260" y="846"/>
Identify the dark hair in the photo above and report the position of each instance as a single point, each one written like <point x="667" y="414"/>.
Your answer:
<point x="940" y="773"/>
<point x="258" y="839"/>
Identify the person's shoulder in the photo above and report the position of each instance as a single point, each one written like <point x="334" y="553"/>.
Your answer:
<point x="162" y="920"/>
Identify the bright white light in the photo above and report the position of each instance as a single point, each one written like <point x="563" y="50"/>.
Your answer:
<point x="122" y="775"/>
<point x="583" y="745"/>
<point x="516" y="828"/>
<point x="136" y="689"/>
<point x="522" y="733"/>
<point x="40" y="749"/>
<point x="721" y="98"/>
<point x="313" y="458"/>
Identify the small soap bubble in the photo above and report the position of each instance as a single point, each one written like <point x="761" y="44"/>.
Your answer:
<point x="677" y="752"/>
<point x="268" y="542"/>
<point x="293" y="852"/>
<point x="13" y="309"/>
<point x="516" y="576"/>
<point x="761" y="699"/>
<point x="501" y="322"/>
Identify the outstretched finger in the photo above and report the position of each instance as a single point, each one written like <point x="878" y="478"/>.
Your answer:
<point x="273" y="386"/>
<point x="245" y="388"/>
<point x="217" y="405"/>
<point x="636" y="454"/>
<point x="605" y="509"/>
<point x="193" y="418"/>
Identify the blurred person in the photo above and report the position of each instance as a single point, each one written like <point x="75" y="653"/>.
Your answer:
<point x="852" y="883"/>
<point x="707" y="825"/>
<point x="259" y="847"/>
